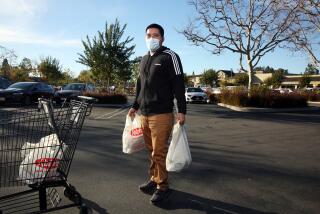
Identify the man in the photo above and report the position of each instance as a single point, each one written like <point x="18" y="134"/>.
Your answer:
<point x="160" y="81"/>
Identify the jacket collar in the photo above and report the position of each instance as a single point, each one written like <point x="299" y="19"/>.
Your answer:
<point x="158" y="51"/>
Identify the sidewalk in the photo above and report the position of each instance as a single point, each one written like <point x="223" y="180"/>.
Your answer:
<point x="269" y="110"/>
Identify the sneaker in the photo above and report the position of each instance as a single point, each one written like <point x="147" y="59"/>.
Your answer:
<point x="159" y="195"/>
<point x="148" y="187"/>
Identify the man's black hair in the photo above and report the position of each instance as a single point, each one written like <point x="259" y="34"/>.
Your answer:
<point x="154" y="25"/>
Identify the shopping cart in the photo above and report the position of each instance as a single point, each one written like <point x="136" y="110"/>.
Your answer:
<point x="36" y="151"/>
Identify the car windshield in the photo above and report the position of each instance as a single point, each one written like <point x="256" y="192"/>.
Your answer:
<point x="22" y="85"/>
<point x="77" y="87"/>
<point x="194" y="90"/>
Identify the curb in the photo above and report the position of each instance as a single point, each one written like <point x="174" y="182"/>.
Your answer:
<point x="313" y="103"/>
<point x="268" y="110"/>
<point x="113" y="105"/>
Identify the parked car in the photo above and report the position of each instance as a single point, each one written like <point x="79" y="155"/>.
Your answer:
<point x="283" y="90"/>
<point x="216" y="90"/>
<point x="311" y="89"/>
<point x="206" y="89"/>
<point x="4" y="83"/>
<point x="196" y="95"/>
<point x="72" y="90"/>
<point x="25" y="92"/>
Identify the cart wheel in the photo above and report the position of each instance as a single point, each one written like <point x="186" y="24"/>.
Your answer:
<point x="77" y="199"/>
<point x="69" y="191"/>
<point x="84" y="210"/>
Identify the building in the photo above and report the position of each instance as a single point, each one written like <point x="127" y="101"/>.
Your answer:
<point x="292" y="81"/>
<point x="195" y="80"/>
<point x="224" y="75"/>
<point x="259" y="78"/>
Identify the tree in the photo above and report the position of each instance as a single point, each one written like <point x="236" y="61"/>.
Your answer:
<point x="124" y="71"/>
<point x="309" y="25"/>
<point x="304" y="80"/>
<point x="259" y="68"/>
<point x="311" y="10"/>
<point x="8" y="54"/>
<point x="19" y="75"/>
<point x="311" y="69"/>
<point x="107" y="55"/>
<point x="281" y="70"/>
<point x="276" y="79"/>
<point x="209" y="77"/>
<point x="26" y="64"/>
<point x="187" y="81"/>
<point x="246" y="27"/>
<point x="50" y="70"/>
<point x="85" y="76"/>
<point x="23" y="71"/>
<point x="268" y="81"/>
<point x="242" y="79"/>
<point x="269" y="69"/>
<point x="135" y="69"/>
<point x="5" y="68"/>
<point x="67" y="77"/>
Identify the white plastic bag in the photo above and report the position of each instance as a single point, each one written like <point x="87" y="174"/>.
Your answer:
<point x="132" y="137"/>
<point x="179" y="156"/>
<point x="50" y="141"/>
<point x="41" y="158"/>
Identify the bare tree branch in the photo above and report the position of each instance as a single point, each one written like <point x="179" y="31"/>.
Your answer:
<point x="8" y="54"/>
<point x="253" y="28"/>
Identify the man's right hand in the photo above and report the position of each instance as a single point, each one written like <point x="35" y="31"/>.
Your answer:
<point x="132" y="112"/>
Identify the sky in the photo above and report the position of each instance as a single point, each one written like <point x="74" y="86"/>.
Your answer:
<point x="39" y="28"/>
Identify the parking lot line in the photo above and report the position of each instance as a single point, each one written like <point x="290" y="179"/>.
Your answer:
<point x="113" y="113"/>
<point x="120" y="112"/>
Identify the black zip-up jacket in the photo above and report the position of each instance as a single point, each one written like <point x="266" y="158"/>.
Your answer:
<point x="161" y="80"/>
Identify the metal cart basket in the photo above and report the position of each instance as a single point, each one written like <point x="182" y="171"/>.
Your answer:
<point x="36" y="151"/>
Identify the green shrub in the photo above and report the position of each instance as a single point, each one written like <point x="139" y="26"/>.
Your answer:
<point x="106" y="98"/>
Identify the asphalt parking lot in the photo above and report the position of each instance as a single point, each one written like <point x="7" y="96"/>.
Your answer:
<point x="242" y="163"/>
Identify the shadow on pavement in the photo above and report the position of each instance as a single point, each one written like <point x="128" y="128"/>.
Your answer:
<point x="183" y="200"/>
<point x="94" y="207"/>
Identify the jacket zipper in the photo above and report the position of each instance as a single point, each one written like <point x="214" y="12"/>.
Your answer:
<point x="147" y="73"/>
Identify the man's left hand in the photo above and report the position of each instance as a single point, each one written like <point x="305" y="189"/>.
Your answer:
<point x="181" y="118"/>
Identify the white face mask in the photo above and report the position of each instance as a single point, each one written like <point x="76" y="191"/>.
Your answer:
<point x="153" y="44"/>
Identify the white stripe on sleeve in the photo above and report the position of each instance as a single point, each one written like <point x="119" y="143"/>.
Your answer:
<point x="174" y="60"/>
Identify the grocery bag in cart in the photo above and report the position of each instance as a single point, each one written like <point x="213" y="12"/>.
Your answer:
<point x="41" y="159"/>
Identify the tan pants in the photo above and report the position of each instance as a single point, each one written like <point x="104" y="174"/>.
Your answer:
<point x="156" y="132"/>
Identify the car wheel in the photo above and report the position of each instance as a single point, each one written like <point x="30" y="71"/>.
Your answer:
<point x="27" y="100"/>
